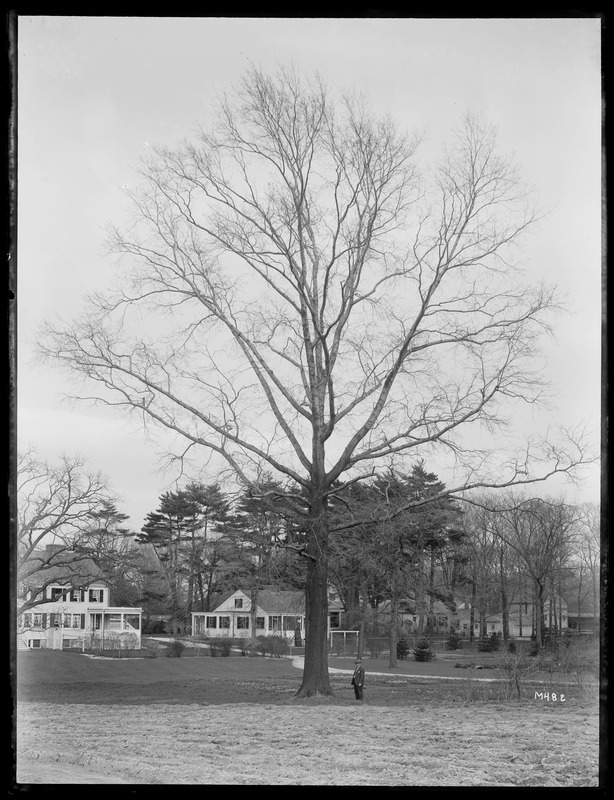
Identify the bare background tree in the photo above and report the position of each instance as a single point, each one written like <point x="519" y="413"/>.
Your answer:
<point x="301" y="299"/>
<point x="56" y="505"/>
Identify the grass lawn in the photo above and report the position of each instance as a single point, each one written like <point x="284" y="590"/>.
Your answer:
<point x="235" y="721"/>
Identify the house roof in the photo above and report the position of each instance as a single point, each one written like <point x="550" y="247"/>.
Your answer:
<point x="409" y="607"/>
<point x="59" y="566"/>
<point x="271" y="602"/>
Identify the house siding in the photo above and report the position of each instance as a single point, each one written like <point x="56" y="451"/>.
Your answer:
<point x="71" y="623"/>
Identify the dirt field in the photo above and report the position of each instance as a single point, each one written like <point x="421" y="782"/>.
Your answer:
<point x="235" y="721"/>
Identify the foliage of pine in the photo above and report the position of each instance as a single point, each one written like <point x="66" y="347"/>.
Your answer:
<point x="402" y="649"/>
<point x="423" y="651"/>
<point x="489" y="644"/>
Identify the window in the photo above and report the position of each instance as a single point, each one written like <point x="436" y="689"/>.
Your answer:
<point x="224" y="622"/>
<point x="211" y="622"/>
<point x="37" y="620"/>
<point x="67" y="621"/>
<point x="274" y="623"/>
<point x="35" y="642"/>
<point x="292" y="623"/>
<point x="114" y="620"/>
<point x="76" y="595"/>
<point x="242" y="622"/>
<point x="260" y="622"/>
<point x="238" y="602"/>
<point x="95" y="595"/>
<point x="132" y="621"/>
<point x="334" y="619"/>
<point x="57" y="592"/>
<point x="26" y="621"/>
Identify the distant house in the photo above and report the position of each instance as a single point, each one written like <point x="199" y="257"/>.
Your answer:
<point x="437" y="620"/>
<point x="71" y="615"/>
<point x="583" y="621"/>
<point x="278" y="613"/>
<point x="521" y="619"/>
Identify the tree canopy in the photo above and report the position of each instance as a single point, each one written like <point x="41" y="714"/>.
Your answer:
<point x="302" y="298"/>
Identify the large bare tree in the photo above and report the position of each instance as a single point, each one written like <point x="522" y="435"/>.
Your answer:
<point x="301" y="300"/>
<point x="58" y="505"/>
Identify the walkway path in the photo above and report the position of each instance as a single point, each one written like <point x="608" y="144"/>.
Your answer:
<point x="299" y="662"/>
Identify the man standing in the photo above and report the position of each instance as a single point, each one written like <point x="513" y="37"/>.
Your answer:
<point x="358" y="679"/>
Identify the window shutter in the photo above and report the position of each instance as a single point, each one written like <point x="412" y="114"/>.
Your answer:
<point x="44" y="620"/>
<point x="52" y="617"/>
<point x="82" y="621"/>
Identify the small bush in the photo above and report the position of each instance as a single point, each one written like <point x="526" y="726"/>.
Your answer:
<point x="275" y="646"/>
<point x="423" y="651"/>
<point x="175" y="648"/>
<point x="454" y="641"/>
<point x="402" y="649"/>
<point x="511" y="646"/>
<point x="517" y="669"/>
<point x="249" y="647"/>
<point x="489" y="644"/>
<point x="221" y="647"/>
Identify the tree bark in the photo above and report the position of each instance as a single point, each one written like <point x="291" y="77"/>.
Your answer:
<point x="393" y="632"/>
<point x="539" y="613"/>
<point x="253" y="604"/>
<point x="504" y="606"/>
<point x="315" y="672"/>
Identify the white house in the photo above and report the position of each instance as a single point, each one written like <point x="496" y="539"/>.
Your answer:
<point x="75" y="616"/>
<point x="277" y="614"/>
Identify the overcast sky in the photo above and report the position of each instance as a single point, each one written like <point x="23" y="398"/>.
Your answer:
<point x="95" y="93"/>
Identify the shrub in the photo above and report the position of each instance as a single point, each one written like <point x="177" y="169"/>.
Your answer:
<point x="517" y="667"/>
<point x="454" y="641"/>
<point x="511" y="646"/>
<point x="423" y="651"/>
<point x="154" y="648"/>
<point x="275" y="646"/>
<point x="221" y="646"/>
<point x="175" y="648"/>
<point x="151" y="626"/>
<point x="489" y="644"/>
<point x="402" y="649"/>
<point x="534" y="649"/>
<point x="249" y="647"/>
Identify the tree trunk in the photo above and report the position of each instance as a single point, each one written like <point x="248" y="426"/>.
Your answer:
<point x="393" y="631"/>
<point x="504" y="607"/>
<point x="432" y="582"/>
<point x="315" y="672"/>
<point x="539" y="613"/>
<point x="361" y="638"/>
<point x="253" y="604"/>
<point x="472" y="613"/>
